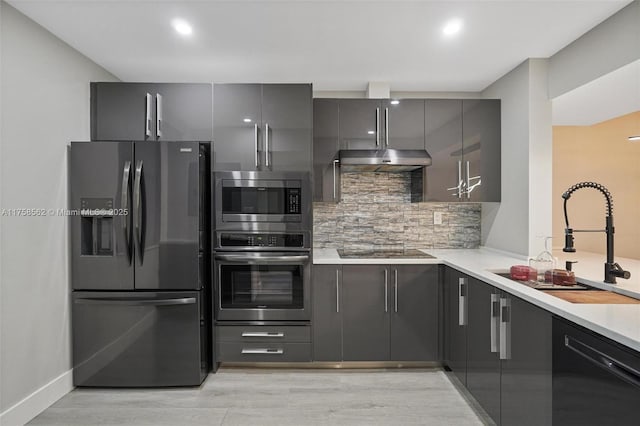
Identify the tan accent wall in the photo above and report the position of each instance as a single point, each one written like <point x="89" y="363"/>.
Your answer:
<point x="599" y="153"/>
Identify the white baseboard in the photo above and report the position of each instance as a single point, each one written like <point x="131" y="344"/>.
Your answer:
<point x="34" y="404"/>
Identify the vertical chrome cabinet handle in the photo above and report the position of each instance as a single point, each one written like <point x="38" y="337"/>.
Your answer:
<point x="377" y="126"/>
<point x="337" y="291"/>
<point x="460" y="181"/>
<point x="462" y="296"/>
<point x="495" y="315"/>
<point x="467" y="185"/>
<point x="386" y="126"/>
<point x="158" y="115"/>
<point x="395" y="290"/>
<point x="386" y="290"/>
<point x="255" y="139"/>
<point x="335" y="190"/>
<point x="137" y="196"/>
<point x="124" y="204"/>
<point x="147" y="124"/>
<point x="505" y="328"/>
<point x="267" y="152"/>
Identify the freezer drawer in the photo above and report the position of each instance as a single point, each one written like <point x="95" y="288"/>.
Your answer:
<point x="138" y="339"/>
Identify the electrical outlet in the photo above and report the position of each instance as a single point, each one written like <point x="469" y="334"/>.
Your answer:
<point x="437" y="218"/>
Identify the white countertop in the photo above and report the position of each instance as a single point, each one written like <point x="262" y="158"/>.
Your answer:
<point x="618" y="322"/>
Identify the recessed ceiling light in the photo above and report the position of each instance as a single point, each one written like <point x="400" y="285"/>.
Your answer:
<point x="452" y="27"/>
<point x="182" y="27"/>
<point x="247" y="120"/>
<point x="371" y="132"/>
<point x="395" y="102"/>
<point x="634" y="138"/>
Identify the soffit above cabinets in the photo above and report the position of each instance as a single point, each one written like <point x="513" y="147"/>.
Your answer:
<point x="336" y="45"/>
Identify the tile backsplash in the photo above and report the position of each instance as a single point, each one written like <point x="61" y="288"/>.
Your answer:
<point x="376" y="213"/>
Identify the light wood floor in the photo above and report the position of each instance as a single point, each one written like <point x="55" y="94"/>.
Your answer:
<point x="276" y="397"/>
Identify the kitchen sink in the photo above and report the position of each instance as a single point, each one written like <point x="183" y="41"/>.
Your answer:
<point x="578" y="293"/>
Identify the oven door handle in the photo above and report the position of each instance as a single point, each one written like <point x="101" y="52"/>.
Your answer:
<point x="243" y="258"/>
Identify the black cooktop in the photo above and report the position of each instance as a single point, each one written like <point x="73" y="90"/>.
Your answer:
<point x="363" y="254"/>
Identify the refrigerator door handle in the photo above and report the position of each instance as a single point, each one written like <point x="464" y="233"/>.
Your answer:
<point x="137" y="196"/>
<point x="147" y="118"/>
<point x="124" y="203"/>
<point x="135" y="301"/>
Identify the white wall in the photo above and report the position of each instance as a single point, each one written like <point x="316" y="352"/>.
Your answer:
<point x="524" y="212"/>
<point x="610" y="45"/>
<point x="45" y="104"/>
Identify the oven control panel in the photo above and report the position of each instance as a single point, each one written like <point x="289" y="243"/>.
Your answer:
<point x="261" y="240"/>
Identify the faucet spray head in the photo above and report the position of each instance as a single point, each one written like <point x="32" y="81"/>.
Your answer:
<point x="568" y="241"/>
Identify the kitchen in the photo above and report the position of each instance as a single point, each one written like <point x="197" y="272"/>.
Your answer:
<point x="38" y="68"/>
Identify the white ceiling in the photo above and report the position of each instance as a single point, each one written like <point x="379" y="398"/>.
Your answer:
<point x="336" y="45"/>
<point x="610" y="96"/>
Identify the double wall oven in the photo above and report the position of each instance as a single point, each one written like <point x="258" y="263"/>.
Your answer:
<point x="262" y="246"/>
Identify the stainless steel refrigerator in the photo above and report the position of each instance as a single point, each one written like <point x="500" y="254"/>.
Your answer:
<point x="140" y="274"/>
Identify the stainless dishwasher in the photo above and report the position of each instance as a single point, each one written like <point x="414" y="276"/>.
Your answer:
<point x="595" y="381"/>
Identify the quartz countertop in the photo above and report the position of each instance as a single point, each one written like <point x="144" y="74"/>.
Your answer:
<point x="617" y="322"/>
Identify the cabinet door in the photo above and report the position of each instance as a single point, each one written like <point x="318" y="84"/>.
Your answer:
<point x="360" y="124"/>
<point x="122" y="111"/>
<point x="526" y="381"/>
<point x="367" y="306"/>
<point x="183" y="112"/>
<point x="326" y="133"/>
<point x="483" y="361"/>
<point x="414" y="319"/>
<point x="455" y="342"/>
<point x="404" y="124"/>
<point x="443" y="135"/>
<point x="287" y="122"/>
<point x="327" y="313"/>
<point x="237" y="121"/>
<point x="481" y="149"/>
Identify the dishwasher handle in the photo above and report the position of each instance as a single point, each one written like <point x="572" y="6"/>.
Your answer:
<point x="615" y="367"/>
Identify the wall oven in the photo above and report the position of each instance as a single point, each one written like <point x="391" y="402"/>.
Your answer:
<point x="262" y="201"/>
<point x="262" y="286"/>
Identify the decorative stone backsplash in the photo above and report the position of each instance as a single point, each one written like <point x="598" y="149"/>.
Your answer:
<point x="376" y="213"/>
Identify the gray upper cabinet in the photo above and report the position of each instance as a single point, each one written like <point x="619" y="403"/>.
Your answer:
<point x="456" y="285"/>
<point x="365" y="320"/>
<point x="326" y="144"/>
<point x="403" y="123"/>
<point x="414" y="314"/>
<point x="327" y="313"/>
<point x="149" y="111"/>
<point x="379" y="124"/>
<point x="262" y="127"/>
<point x="360" y="124"/>
<point x="463" y="138"/>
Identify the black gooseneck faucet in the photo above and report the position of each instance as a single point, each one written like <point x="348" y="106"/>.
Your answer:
<point x="611" y="269"/>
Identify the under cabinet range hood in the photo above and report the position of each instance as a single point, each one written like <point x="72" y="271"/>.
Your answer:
<point x="383" y="160"/>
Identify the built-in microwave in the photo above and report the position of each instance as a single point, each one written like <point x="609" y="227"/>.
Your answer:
<point x="262" y="201"/>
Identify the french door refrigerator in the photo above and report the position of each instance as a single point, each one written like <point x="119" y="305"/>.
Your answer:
<point x="140" y="274"/>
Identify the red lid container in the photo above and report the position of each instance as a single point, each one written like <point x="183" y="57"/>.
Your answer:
<point x="523" y="273"/>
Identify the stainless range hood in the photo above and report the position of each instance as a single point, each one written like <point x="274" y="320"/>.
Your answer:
<point x="383" y="160"/>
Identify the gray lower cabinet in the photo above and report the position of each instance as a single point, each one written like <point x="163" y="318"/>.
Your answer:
<point x="414" y="314"/>
<point x="526" y="370"/>
<point x="508" y="351"/>
<point x="366" y="311"/>
<point x="262" y="127"/>
<point x="151" y="111"/>
<point x="327" y="313"/>
<point x="375" y="313"/>
<point x="483" y="358"/>
<point x="455" y="322"/>
<point x="263" y="343"/>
